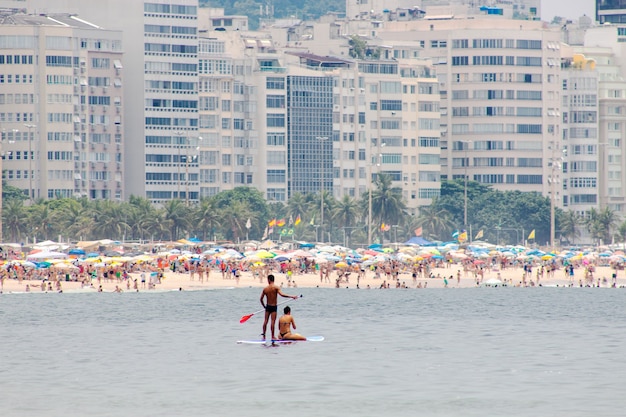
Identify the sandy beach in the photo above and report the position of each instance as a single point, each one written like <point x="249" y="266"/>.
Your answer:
<point x="444" y="278"/>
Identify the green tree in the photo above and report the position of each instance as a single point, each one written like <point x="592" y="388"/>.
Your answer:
<point x="207" y="218"/>
<point x="108" y="219"/>
<point x="345" y="214"/>
<point x="567" y="224"/>
<point x="177" y="218"/>
<point x="255" y="200"/>
<point x="387" y="203"/>
<point x="13" y="218"/>
<point x="600" y="224"/>
<point x="436" y="221"/>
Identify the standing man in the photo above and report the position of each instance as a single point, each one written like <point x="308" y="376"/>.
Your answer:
<point x="285" y="323"/>
<point x="269" y="298"/>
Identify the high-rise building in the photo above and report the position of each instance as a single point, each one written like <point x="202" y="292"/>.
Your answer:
<point x="500" y="87"/>
<point x="61" y="106"/>
<point x="611" y="11"/>
<point x="160" y="91"/>
<point x="408" y="9"/>
<point x="580" y="115"/>
<point x="287" y="121"/>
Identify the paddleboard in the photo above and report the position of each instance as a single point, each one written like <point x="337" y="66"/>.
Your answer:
<point x="265" y="342"/>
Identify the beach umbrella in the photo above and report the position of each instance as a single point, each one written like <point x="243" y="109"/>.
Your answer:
<point x="76" y="251"/>
<point x="263" y="254"/>
<point x="341" y="264"/>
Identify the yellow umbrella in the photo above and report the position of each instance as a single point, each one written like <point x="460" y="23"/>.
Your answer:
<point x="263" y="254"/>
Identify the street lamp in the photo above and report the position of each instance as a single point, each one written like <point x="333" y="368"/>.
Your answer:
<point x="30" y="161"/>
<point x="2" y="136"/>
<point x="322" y="139"/>
<point x="466" y="144"/>
<point x="183" y="135"/>
<point x="376" y="161"/>
<point x="553" y="179"/>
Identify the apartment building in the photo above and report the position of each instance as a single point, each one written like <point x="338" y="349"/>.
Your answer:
<point x="61" y="106"/>
<point x="500" y="86"/>
<point x="287" y="121"/>
<point x="160" y="91"/>
<point x="386" y="121"/>
<point x="579" y="157"/>
<point x="261" y="121"/>
<point x="409" y="9"/>
<point x="611" y="11"/>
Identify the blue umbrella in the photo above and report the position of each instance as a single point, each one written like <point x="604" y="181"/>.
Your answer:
<point x="76" y="251"/>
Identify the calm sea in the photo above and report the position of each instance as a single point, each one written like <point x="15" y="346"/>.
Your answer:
<point x="437" y="352"/>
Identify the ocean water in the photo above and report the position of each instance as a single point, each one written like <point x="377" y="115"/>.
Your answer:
<point x="436" y="352"/>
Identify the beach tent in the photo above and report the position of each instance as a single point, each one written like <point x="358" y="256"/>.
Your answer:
<point x="47" y="255"/>
<point x="417" y="240"/>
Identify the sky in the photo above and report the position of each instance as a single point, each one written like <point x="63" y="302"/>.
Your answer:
<point x="571" y="9"/>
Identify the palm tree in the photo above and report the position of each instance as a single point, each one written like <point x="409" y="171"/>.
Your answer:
<point x="568" y="222"/>
<point x="109" y="220"/>
<point x="206" y="217"/>
<point x="234" y="218"/>
<point x="435" y="220"/>
<point x="156" y="226"/>
<point x="75" y="218"/>
<point x="600" y="224"/>
<point x="13" y="215"/>
<point x="177" y="219"/>
<point x="40" y="220"/>
<point x="387" y="203"/>
<point x="298" y="206"/>
<point x="345" y="213"/>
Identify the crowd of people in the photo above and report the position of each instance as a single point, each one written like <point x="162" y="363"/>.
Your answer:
<point x="388" y="273"/>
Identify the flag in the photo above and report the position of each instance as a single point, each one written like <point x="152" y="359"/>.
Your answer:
<point x="280" y="223"/>
<point x="298" y="220"/>
<point x="272" y="222"/>
<point x="382" y="227"/>
<point x="418" y="231"/>
<point x="385" y="227"/>
<point x="265" y="233"/>
<point x="479" y="235"/>
<point x="455" y="234"/>
<point x="312" y="222"/>
<point x="248" y="223"/>
<point x="531" y="235"/>
<point x="290" y="220"/>
<point x="463" y="236"/>
<point x="289" y="232"/>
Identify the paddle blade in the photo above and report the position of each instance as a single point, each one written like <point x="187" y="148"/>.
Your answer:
<point x="245" y="318"/>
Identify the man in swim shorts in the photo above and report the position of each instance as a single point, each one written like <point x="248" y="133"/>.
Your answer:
<point x="284" y="326"/>
<point x="269" y="298"/>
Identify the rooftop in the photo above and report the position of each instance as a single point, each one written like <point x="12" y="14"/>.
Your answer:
<point x="62" y="20"/>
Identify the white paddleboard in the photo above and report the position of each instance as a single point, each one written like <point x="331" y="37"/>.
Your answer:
<point x="266" y="342"/>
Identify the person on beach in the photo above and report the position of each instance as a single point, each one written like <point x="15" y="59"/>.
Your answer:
<point x="285" y="323"/>
<point x="269" y="298"/>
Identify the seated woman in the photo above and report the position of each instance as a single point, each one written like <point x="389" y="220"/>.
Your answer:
<point x="284" y="326"/>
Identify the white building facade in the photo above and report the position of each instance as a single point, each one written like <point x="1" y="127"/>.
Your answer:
<point x="61" y="107"/>
<point x="160" y="91"/>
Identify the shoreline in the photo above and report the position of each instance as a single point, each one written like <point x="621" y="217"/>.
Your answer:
<point x="175" y="281"/>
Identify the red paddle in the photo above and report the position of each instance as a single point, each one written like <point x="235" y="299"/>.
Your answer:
<point x="248" y="316"/>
